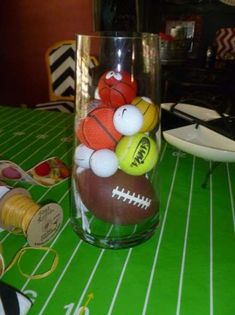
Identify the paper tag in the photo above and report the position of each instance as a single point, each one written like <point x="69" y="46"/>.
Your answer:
<point x="46" y="173"/>
<point x="3" y="190"/>
<point x="44" y="225"/>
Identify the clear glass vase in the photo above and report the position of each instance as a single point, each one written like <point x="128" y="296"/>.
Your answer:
<point x="115" y="201"/>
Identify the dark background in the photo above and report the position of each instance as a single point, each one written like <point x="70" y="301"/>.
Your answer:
<point x="29" y="27"/>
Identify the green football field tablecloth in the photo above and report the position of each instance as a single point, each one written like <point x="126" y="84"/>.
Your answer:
<point x="186" y="268"/>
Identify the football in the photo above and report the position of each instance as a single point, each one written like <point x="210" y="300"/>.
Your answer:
<point x="118" y="199"/>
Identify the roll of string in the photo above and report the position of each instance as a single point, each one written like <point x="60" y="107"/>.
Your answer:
<point x="17" y="212"/>
<point x="19" y="255"/>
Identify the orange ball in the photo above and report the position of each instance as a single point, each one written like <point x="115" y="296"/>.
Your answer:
<point x="97" y="130"/>
<point x="117" y="88"/>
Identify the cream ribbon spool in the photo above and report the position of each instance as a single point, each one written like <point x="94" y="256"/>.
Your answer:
<point x="43" y="225"/>
<point x="5" y="194"/>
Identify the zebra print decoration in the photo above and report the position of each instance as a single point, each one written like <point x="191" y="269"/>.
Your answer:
<point x="60" y="60"/>
<point x="13" y="302"/>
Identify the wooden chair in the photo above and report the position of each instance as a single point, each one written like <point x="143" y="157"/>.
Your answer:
<point x="60" y="63"/>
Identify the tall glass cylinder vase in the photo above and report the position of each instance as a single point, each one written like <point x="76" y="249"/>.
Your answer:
<point x="115" y="202"/>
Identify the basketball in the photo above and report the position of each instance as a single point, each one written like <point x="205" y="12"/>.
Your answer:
<point x="117" y="88"/>
<point x="97" y="130"/>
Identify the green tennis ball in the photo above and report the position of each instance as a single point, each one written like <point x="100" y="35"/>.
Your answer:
<point x="149" y="110"/>
<point x="137" y="154"/>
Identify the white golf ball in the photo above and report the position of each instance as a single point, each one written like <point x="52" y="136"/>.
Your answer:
<point x="82" y="156"/>
<point x="104" y="163"/>
<point x="128" y="120"/>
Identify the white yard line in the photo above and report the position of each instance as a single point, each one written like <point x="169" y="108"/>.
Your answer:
<point x="231" y="196"/>
<point x="119" y="282"/>
<point x="185" y="241"/>
<point x="36" y="131"/>
<point x="60" y="278"/>
<point x="17" y="128"/>
<point x="13" y="120"/>
<point x="121" y="276"/>
<point x="211" y="248"/>
<point x="46" y="143"/>
<point x="62" y="275"/>
<point x="163" y="152"/>
<point x="154" y="172"/>
<point x="160" y="239"/>
<point x="58" y="146"/>
<point x="91" y="275"/>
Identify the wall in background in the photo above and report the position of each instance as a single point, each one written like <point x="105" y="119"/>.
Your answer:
<point x="27" y="29"/>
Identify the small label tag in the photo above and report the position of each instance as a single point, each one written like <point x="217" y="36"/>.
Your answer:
<point x="3" y="191"/>
<point x="44" y="225"/>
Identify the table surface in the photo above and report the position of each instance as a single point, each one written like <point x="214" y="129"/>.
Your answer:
<point x="186" y="268"/>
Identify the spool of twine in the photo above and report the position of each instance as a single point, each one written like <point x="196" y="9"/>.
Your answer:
<point x="17" y="212"/>
<point x="20" y="214"/>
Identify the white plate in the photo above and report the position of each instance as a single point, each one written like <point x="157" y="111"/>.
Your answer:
<point x="202" y="142"/>
<point x="202" y="113"/>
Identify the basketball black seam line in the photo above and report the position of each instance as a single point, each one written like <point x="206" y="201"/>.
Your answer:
<point x="122" y="95"/>
<point x="84" y="135"/>
<point x="103" y="127"/>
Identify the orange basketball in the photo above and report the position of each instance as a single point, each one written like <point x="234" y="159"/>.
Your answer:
<point x="97" y="130"/>
<point x="117" y="88"/>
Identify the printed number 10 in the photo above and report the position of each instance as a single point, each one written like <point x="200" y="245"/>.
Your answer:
<point x="81" y="311"/>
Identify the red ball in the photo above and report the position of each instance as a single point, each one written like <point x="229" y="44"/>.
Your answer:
<point x="118" y="199"/>
<point x="97" y="130"/>
<point x="117" y="88"/>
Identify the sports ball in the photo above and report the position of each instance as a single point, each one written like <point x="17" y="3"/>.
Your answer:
<point x="128" y="120"/>
<point x="117" y="88"/>
<point x="149" y="110"/>
<point x="82" y="156"/>
<point x="137" y="154"/>
<point x="104" y="163"/>
<point x="118" y="199"/>
<point x="97" y="130"/>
